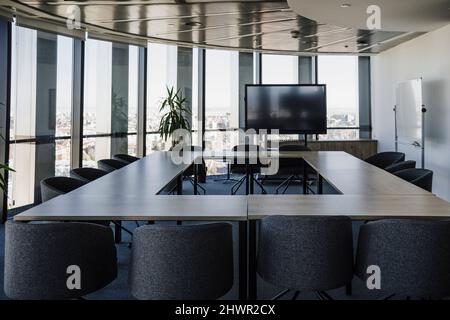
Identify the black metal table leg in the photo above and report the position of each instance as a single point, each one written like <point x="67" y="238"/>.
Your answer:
<point x="319" y="184"/>
<point x="305" y="178"/>
<point x="247" y="182"/>
<point x="195" y="179"/>
<point x="348" y="289"/>
<point x="180" y="184"/>
<point x="118" y="232"/>
<point x="252" y="278"/>
<point x="242" y="260"/>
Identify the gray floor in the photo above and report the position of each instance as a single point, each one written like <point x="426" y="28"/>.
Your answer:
<point x="118" y="289"/>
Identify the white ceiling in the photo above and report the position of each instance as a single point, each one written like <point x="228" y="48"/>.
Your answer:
<point x="396" y="15"/>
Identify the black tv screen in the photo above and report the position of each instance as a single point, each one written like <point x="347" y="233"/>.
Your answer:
<point x="288" y="108"/>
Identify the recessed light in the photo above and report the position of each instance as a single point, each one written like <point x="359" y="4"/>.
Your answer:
<point x="193" y="24"/>
<point x="346" y="5"/>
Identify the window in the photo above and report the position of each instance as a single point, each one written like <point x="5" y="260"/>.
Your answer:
<point x="161" y="73"/>
<point x="279" y="69"/>
<point x="340" y="74"/>
<point x="110" y="100"/>
<point x="41" y="93"/>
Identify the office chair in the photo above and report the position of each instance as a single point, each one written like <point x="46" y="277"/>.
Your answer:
<point x="422" y="178"/>
<point x="240" y="168"/>
<point x="55" y="186"/>
<point x="110" y="165"/>
<point x="385" y="159"/>
<point x="125" y="158"/>
<point x="87" y="174"/>
<point x="410" y="164"/>
<point x="413" y="256"/>
<point x="306" y="253"/>
<point x="38" y="259"/>
<point x="293" y="167"/>
<point x="181" y="262"/>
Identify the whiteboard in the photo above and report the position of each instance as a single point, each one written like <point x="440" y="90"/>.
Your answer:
<point x="409" y="120"/>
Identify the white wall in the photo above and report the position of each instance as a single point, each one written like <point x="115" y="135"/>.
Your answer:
<point x="428" y="57"/>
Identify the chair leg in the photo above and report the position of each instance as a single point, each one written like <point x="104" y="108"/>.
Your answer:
<point x="122" y="228"/>
<point x="295" y="295"/>
<point x="260" y="185"/>
<point x="280" y="294"/>
<point x="323" y="295"/>
<point x="237" y="185"/>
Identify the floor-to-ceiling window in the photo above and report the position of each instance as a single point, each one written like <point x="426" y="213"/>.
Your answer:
<point x="110" y="100"/>
<point x="221" y="102"/>
<point x="279" y="69"/>
<point x="161" y="74"/>
<point x="40" y="125"/>
<point x="340" y="74"/>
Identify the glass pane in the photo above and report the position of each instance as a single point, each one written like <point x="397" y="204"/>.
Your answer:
<point x="21" y="182"/>
<point x="279" y="69"/>
<point x="133" y="88"/>
<point x="162" y="72"/>
<point x="340" y="74"/>
<point x="62" y="157"/>
<point x="132" y="145"/>
<point x="95" y="149"/>
<point x="64" y="87"/>
<point x="97" y="87"/>
<point x="23" y="84"/>
<point x="222" y="89"/>
<point x="154" y="143"/>
<point x="340" y="134"/>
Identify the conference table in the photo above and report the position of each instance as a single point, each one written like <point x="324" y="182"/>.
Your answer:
<point x="134" y="193"/>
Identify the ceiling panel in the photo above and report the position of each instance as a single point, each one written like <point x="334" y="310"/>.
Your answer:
<point x="244" y="25"/>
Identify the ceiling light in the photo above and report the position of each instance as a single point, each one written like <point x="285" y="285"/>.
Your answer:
<point x="346" y="5"/>
<point x="193" y="24"/>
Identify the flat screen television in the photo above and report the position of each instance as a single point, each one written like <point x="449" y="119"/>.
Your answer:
<point x="292" y="109"/>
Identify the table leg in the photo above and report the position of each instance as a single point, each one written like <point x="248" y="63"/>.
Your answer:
<point x="242" y="260"/>
<point x="247" y="182"/>
<point x="180" y="184"/>
<point x="195" y="179"/>
<point x="252" y="277"/>
<point x="118" y="232"/>
<point x="319" y="184"/>
<point x="305" y="178"/>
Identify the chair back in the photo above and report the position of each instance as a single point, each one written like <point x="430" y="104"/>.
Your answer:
<point x="55" y="186"/>
<point x="110" y="165"/>
<point x="182" y="262"/>
<point x="422" y="178"/>
<point x="413" y="256"/>
<point x="410" y="164"/>
<point x="306" y="253"/>
<point x="40" y="259"/>
<point x="87" y="174"/>
<point x="385" y="159"/>
<point x="125" y="158"/>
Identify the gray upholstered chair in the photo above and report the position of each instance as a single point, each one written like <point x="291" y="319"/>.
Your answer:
<point x="181" y="262"/>
<point x="385" y="159"/>
<point x="422" y="178"/>
<point x="410" y="164"/>
<point x="125" y="158"/>
<point x="37" y="257"/>
<point x="87" y="174"/>
<point x="110" y="165"/>
<point x="413" y="256"/>
<point x="311" y="254"/>
<point x="55" y="186"/>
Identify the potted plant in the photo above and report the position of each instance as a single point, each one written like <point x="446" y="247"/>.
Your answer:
<point x="176" y="114"/>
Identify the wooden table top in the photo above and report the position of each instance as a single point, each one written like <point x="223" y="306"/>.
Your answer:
<point x="130" y="193"/>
